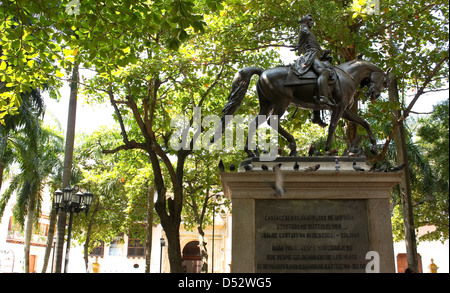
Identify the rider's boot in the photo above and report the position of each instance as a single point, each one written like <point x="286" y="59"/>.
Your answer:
<point x="317" y="120"/>
<point x="324" y="91"/>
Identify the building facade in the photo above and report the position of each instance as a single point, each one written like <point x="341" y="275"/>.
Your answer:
<point x="123" y="255"/>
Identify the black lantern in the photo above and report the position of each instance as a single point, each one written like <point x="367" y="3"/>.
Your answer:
<point x="77" y="199"/>
<point x="58" y="197"/>
<point x="88" y="198"/>
<point x="67" y="198"/>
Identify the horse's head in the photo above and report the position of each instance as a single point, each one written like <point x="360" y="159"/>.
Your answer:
<point x="379" y="81"/>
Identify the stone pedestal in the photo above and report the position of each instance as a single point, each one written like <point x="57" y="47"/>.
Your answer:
<point x="327" y="221"/>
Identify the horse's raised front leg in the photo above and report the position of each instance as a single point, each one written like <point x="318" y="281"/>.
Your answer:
<point x="349" y="115"/>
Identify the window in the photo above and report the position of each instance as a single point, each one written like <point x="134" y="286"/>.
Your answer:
<point x="135" y="247"/>
<point x="98" y="250"/>
<point x="116" y="246"/>
<point x="43" y="229"/>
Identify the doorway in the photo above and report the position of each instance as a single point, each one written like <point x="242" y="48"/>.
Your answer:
<point x="192" y="260"/>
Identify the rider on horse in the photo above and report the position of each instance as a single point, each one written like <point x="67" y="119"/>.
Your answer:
<point x="311" y="58"/>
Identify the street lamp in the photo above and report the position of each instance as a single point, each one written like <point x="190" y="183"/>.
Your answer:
<point x="163" y="243"/>
<point x="72" y="200"/>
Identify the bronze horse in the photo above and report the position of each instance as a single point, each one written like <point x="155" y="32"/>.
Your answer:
<point x="275" y="97"/>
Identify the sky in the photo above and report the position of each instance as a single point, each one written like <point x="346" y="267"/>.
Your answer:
<point x="88" y="119"/>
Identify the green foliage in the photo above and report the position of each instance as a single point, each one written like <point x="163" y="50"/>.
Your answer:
<point x="38" y="161"/>
<point x="428" y="163"/>
<point x="433" y="133"/>
<point x="416" y="39"/>
<point x="119" y="183"/>
<point x="20" y="137"/>
<point x="203" y="190"/>
<point x="41" y="39"/>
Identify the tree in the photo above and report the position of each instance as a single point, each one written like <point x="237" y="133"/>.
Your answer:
<point x="247" y="27"/>
<point x="433" y="133"/>
<point x="38" y="160"/>
<point x="203" y="196"/>
<point x="120" y="184"/>
<point x="38" y="35"/>
<point x="27" y="120"/>
<point x="433" y="138"/>
<point x="400" y="39"/>
<point x="148" y="95"/>
<point x="68" y="163"/>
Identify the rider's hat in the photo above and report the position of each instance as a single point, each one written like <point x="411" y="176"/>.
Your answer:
<point x="306" y="18"/>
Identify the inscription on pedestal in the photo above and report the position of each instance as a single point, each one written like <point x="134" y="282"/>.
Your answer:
<point x="316" y="236"/>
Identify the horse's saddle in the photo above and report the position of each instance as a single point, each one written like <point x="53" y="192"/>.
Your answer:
<point x="294" y="78"/>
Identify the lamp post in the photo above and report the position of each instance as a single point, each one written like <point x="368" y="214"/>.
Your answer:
<point x="214" y="224"/>
<point x="71" y="200"/>
<point x="217" y="196"/>
<point x="163" y="243"/>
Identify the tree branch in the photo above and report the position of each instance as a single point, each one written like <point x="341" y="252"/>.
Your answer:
<point x="119" y="116"/>
<point x="128" y="146"/>
<point x="408" y="109"/>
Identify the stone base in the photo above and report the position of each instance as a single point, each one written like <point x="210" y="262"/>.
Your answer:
<point x="327" y="221"/>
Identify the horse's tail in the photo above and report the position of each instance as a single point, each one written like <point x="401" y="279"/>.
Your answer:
<point x="239" y="87"/>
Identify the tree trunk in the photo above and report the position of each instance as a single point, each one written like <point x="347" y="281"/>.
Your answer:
<point x="171" y="226"/>
<point x="405" y="184"/>
<point x="203" y="249"/>
<point x="199" y="217"/>
<point x="50" y="235"/>
<point x="29" y="229"/>
<point x="173" y="247"/>
<point x="68" y="155"/>
<point x="2" y="168"/>
<point x="169" y="210"/>
<point x="349" y="54"/>
<point x="148" y="242"/>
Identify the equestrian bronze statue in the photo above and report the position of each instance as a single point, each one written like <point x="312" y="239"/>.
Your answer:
<point x="275" y="97"/>
<point x="311" y="83"/>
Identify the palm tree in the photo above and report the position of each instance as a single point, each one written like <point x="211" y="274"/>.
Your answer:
<point x="27" y="120"/>
<point x="37" y="162"/>
<point x="426" y="187"/>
